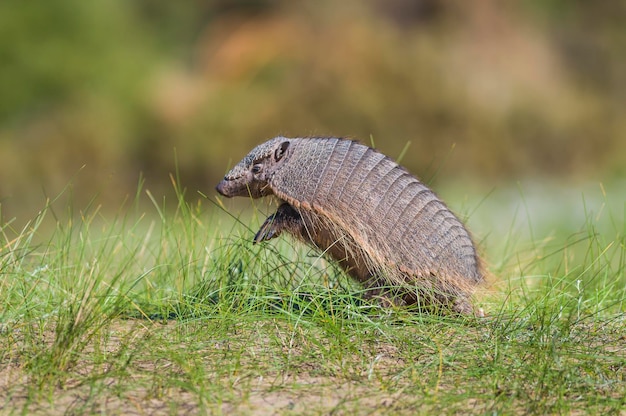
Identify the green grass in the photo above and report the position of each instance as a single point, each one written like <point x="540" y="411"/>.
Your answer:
<point x="159" y="311"/>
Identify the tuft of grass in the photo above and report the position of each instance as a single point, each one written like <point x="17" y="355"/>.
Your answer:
<point x="175" y="311"/>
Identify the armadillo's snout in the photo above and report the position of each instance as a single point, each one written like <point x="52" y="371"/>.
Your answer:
<point x="223" y="188"/>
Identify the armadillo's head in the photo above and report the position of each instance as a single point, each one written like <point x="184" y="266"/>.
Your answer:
<point x="250" y="177"/>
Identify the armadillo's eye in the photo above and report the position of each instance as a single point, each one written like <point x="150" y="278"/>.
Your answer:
<point x="256" y="169"/>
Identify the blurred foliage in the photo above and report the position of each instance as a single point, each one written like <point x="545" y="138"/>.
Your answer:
<point x="493" y="89"/>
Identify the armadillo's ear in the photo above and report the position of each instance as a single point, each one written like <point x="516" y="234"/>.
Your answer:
<point x="280" y="151"/>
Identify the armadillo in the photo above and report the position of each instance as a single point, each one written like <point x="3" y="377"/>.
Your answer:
<point x="386" y="229"/>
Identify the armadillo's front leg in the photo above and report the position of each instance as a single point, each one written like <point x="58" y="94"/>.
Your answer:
<point x="286" y="218"/>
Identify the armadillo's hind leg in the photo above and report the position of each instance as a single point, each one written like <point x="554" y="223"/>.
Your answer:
<point x="286" y="218"/>
<point x="380" y="292"/>
<point x="463" y="306"/>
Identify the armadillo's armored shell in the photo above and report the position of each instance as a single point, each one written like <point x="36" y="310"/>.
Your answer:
<point x="396" y="219"/>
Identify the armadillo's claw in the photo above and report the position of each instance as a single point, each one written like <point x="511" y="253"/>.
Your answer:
<point x="267" y="231"/>
<point x="286" y="218"/>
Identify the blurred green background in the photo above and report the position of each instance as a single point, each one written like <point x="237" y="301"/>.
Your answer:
<point x="96" y="93"/>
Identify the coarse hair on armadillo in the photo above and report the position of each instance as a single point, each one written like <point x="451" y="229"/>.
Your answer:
<point x="377" y="257"/>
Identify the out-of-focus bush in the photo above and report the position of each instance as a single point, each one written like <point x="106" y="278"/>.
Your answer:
<point x="516" y="88"/>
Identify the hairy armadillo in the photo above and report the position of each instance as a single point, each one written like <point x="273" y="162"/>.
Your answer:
<point x="387" y="229"/>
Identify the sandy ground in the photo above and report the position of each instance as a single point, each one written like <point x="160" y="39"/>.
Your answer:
<point x="270" y="393"/>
